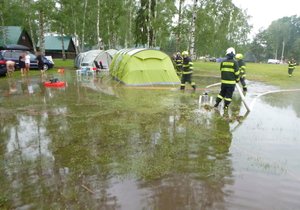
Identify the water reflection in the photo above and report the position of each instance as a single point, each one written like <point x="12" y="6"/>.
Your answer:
<point x="291" y="98"/>
<point x="97" y="145"/>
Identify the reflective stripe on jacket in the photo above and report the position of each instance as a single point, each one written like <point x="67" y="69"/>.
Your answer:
<point x="242" y="68"/>
<point x="229" y="71"/>
<point x="178" y="60"/>
<point x="187" y="66"/>
<point x="292" y="65"/>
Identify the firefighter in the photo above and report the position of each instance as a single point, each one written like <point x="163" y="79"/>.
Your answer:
<point x="242" y="67"/>
<point x="187" y="71"/>
<point x="178" y="61"/>
<point x="229" y="76"/>
<point x="291" y="66"/>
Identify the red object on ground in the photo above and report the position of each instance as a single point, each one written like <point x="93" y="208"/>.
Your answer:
<point x="61" y="71"/>
<point x="54" y="84"/>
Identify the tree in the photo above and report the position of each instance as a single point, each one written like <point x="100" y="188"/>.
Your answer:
<point x="281" y="40"/>
<point x="193" y="28"/>
<point x="259" y="46"/>
<point x="220" y="24"/>
<point x="115" y="24"/>
<point x="178" y="29"/>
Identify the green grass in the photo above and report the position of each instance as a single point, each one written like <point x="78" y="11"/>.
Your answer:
<point x="68" y="63"/>
<point x="273" y="74"/>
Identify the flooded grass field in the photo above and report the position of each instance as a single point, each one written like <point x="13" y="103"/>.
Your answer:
<point x="96" y="144"/>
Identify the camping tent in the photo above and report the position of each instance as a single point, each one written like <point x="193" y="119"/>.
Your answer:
<point x="90" y="57"/>
<point x="78" y="60"/>
<point x="143" y="67"/>
<point x="112" y="52"/>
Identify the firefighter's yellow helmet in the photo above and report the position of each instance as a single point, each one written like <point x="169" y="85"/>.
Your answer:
<point x="185" y="53"/>
<point x="239" y="56"/>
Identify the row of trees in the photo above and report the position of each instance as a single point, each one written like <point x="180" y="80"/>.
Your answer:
<point x="206" y="27"/>
<point x="281" y="40"/>
<point x="128" y="23"/>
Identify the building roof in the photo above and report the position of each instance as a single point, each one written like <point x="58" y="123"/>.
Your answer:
<point x="12" y="34"/>
<point x="54" y="42"/>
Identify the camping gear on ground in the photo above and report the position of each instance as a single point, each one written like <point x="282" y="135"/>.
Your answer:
<point x="143" y="67"/>
<point x="61" y="71"/>
<point x="54" y="83"/>
<point x="86" y="70"/>
<point x="208" y="100"/>
<point x="205" y="99"/>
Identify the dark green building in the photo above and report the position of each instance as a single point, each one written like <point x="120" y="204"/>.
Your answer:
<point x="15" y="35"/>
<point x="54" y="45"/>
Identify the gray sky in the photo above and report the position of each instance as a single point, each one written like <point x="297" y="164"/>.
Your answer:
<point x="263" y="12"/>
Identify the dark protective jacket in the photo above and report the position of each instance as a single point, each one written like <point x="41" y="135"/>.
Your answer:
<point x="242" y="68"/>
<point x="292" y="65"/>
<point x="229" y="71"/>
<point x="187" y="65"/>
<point x="178" y="61"/>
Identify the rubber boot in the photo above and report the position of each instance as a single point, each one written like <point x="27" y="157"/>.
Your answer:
<point x="194" y="87"/>
<point x="218" y="100"/>
<point x="226" y="104"/>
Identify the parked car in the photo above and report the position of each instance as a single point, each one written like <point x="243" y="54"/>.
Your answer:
<point x="273" y="61"/>
<point x="14" y="55"/>
<point x="2" y="66"/>
<point x="212" y="59"/>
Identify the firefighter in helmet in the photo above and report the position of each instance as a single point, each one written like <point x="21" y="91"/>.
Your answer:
<point x="178" y="61"/>
<point x="291" y="66"/>
<point x="187" y="71"/>
<point x="242" y="67"/>
<point x="229" y="77"/>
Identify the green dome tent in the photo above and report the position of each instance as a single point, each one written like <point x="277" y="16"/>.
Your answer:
<point x="140" y="67"/>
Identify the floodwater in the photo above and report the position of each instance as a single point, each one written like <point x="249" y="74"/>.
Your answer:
<point x="96" y="144"/>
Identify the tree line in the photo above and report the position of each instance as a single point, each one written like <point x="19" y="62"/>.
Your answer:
<point x="206" y="26"/>
<point x="281" y="40"/>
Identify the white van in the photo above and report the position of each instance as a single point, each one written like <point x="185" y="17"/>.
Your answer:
<point x="273" y="61"/>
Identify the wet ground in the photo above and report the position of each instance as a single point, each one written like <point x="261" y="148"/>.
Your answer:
<point x="96" y="144"/>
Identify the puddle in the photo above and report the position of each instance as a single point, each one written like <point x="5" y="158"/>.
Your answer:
<point x="96" y="144"/>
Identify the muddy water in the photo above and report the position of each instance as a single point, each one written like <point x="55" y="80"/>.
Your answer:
<point x="98" y="145"/>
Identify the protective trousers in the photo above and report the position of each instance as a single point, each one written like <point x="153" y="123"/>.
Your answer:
<point x="226" y="94"/>
<point x="290" y="71"/>
<point x="243" y="82"/>
<point x="187" y="78"/>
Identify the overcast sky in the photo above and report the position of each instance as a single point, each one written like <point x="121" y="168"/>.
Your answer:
<point x="263" y="12"/>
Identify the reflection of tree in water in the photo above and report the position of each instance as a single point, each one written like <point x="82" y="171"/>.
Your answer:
<point x="182" y="161"/>
<point x="7" y="119"/>
<point x="201" y="166"/>
<point x="23" y="150"/>
<point x="283" y="100"/>
<point x="128" y="143"/>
